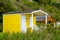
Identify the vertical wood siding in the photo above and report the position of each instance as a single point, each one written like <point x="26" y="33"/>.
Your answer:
<point x="12" y="23"/>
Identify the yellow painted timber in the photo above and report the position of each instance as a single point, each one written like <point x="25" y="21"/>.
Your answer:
<point x="28" y="20"/>
<point x="34" y="20"/>
<point x="12" y="23"/>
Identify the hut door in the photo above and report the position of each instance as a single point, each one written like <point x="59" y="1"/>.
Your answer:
<point x="24" y="23"/>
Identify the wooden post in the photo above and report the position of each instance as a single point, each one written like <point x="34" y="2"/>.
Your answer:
<point x="54" y="24"/>
<point x="46" y="19"/>
<point x="32" y="22"/>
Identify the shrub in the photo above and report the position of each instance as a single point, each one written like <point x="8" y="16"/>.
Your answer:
<point x="48" y="34"/>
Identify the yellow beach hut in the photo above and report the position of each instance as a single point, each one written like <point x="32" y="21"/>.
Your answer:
<point x="20" y="21"/>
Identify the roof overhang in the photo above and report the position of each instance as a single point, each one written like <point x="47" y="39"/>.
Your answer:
<point x="39" y="12"/>
<point x="36" y="12"/>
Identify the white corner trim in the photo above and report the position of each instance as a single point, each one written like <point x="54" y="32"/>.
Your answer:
<point x="46" y="19"/>
<point x="32" y="22"/>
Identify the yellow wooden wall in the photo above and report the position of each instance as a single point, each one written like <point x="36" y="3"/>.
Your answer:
<point x="28" y="20"/>
<point x="34" y="19"/>
<point x="11" y="22"/>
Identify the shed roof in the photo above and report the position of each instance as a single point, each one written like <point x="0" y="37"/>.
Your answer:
<point x="32" y="11"/>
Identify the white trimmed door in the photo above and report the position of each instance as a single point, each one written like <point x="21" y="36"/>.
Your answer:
<point x="23" y="23"/>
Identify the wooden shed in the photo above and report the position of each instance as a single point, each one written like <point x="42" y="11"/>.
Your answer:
<point x="21" y="21"/>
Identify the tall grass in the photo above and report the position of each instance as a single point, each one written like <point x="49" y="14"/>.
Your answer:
<point x="50" y="33"/>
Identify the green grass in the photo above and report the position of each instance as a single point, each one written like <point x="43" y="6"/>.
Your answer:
<point x="35" y="35"/>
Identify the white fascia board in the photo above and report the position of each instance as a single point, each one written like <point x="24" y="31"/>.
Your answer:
<point x="40" y="11"/>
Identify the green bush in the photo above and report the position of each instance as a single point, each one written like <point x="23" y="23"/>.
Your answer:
<point x="48" y="34"/>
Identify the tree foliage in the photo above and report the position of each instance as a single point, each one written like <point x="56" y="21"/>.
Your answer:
<point x="16" y="5"/>
<point x="50" y="6"/>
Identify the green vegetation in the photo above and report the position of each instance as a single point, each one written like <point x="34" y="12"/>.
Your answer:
<point x="47" y="34"/>
<point x="50" y="6"/>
